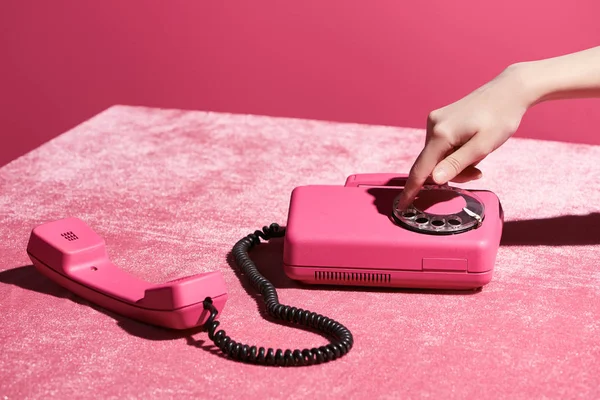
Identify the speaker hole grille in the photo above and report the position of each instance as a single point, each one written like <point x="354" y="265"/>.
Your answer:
<point x="352" y="277"/>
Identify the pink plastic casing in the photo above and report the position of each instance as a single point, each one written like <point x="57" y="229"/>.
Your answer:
<point x="344" y="235"/>
<point x="71" y="254"/>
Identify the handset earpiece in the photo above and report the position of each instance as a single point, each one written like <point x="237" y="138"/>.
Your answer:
<point x="70" y="253"/>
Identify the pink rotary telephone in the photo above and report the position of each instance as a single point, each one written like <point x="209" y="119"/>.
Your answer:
<point x="354" y="235"/>
<point x="345" y="235"/>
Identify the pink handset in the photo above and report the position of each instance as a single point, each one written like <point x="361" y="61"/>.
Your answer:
<point x="354" y="235"/>
<point x="71" y="254"/>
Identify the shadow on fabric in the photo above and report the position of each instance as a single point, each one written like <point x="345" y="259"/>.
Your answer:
<point x="567" y="230"/>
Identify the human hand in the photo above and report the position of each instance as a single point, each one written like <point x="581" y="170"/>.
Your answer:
<point x="463" y="133"/>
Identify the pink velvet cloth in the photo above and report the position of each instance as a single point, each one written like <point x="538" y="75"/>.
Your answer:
<point x="172" y="191"/>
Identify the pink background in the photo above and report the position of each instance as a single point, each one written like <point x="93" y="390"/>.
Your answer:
<point x="376" y="62"/>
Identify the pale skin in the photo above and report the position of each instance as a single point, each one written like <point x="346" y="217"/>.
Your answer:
<point x="463" y="133"/>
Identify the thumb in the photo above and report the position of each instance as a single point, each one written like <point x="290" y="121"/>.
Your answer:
<point x="450" y="167"/>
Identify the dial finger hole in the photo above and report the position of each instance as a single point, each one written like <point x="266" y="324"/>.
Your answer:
<point x="421" y="220"/>
<point x="454" y="221"/>
<point x="437" y="223"/>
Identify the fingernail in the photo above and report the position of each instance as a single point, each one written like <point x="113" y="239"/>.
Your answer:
<point x="440" y="176"/>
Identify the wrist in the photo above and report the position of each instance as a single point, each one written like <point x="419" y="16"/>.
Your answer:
<point x="575" y="75"/>
<point x="530" y="82"/>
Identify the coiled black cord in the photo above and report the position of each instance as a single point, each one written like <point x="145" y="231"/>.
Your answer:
<point x="342" y="338"/>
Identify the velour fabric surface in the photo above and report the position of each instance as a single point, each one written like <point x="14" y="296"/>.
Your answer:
<point x="172" y="191"/>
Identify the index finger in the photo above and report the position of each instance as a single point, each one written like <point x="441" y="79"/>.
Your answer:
<point x="430" y="156"/>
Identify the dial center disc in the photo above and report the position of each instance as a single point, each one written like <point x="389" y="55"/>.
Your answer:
<point x="439" y="202"/>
